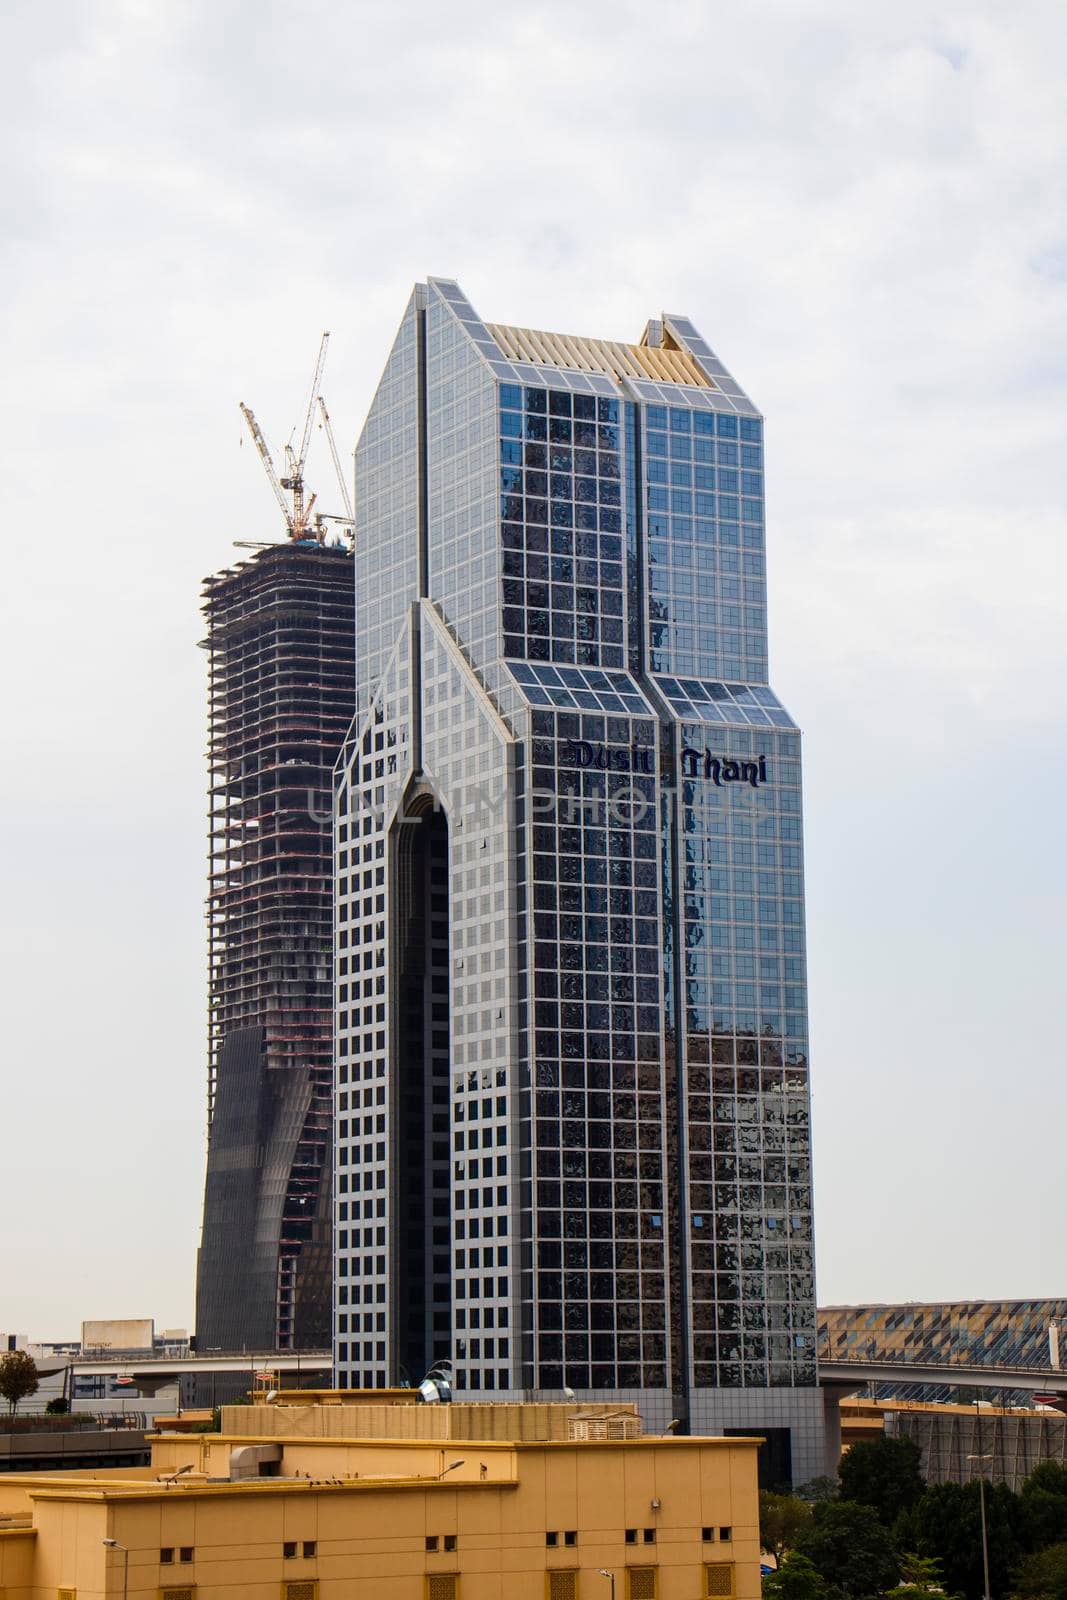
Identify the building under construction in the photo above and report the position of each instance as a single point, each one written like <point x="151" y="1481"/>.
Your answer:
<point x="280" y="653"/>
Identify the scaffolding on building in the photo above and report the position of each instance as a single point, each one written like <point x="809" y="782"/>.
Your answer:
<point x="280" y="670"/>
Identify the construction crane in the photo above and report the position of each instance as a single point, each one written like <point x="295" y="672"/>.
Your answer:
<point x="332" y="442"/>
<point x="294" y="479"/>
<point x="264" y="453"/>
<point x="297" y="514"/>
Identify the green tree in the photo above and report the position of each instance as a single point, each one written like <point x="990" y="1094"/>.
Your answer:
<point x="947" y="1525"/>
<point x="18" y="1377"/>
<point x="1043" y="1575"/>
<point x="920" y="1572"/>
<point x="816" y="1489"/>
<point x="1043" y="1503"/>
<point x="884" y="1473"/>
<point x="795" y="1579"/>
<point x="850" y="1549"/>
<point x="782" y="1519"/>
<point x="57" y="1407"/>
<point x="1050" y="1476"/>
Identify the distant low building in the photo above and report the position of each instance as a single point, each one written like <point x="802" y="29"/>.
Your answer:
<point x="950" y="1436"/>
<point x="105" y="1394"/>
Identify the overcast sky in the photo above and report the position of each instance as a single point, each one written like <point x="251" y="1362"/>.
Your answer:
<point x="862" y="208"/>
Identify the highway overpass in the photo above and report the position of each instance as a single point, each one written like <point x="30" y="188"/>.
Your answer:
<point x="151" y="1373"/>
<point x="856" y="1374"/>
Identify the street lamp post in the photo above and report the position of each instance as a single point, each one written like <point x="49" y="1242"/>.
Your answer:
<point x="604" y="1573"/>
<point x="985" y="1534"/>
<point x="113" y="1544"/>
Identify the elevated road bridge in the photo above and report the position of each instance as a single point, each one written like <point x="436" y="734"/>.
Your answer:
<point x="848" y="1376"/>
<point x="147" y="1374"/>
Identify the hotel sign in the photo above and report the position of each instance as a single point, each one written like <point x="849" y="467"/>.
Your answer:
<point x="582" y="753"/>
<point x="720" y="770"/>
<point x="716" y="769"/>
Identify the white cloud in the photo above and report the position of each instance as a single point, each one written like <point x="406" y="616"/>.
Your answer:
<point x="863" y="208"/>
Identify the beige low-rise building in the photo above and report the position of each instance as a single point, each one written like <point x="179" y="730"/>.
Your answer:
<point x="316" y="1512"/>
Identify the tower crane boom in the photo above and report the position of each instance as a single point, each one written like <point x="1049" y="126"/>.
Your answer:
<point x="295" y="510"/>
<point x="265" y="456"/>
<point x="316" y="380"/>
<point x="346" y="498"/>
<point x="294" y="471"/>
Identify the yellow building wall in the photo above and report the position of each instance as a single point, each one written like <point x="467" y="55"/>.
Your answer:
<point x="502" y="1420"/>
<point x="370" y="1539"/>
<point x="69" y="1550"/>
<point x="17" y="1554"/>
<point x="325" y="1458"/>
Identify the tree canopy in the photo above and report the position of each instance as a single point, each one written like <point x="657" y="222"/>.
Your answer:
<point x="889" y="1535"/>
<point x="1043" y="1575"/>
<point x="850" y="1549"/>
<point x="821" y="1488"/>
<point x="884" y="1473"/>
<point x="1043" y="1503"/>
<point x="782" y="1519"/>
<point x="947" y="1524"/>
<point x="920" y="1572"/>
<point x="795" y="1579"/>
<point x="18" y="1377"/>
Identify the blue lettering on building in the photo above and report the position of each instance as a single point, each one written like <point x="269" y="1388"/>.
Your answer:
<point x="583" y="753"/>
<point x="702" y="764"/>
<point x="637" y="758"/>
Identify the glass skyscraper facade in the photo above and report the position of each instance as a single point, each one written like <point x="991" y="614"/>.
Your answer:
<point x="573" y="1129"/>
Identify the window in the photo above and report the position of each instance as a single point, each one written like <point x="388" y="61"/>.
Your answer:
<point x="166" y="1555"/>
<point x="708" y="1535"/>
<point x="185" y="1552"/>
<point x="641" y="1583"/>
<point x="563" y="1586"/>
<point x="726" y="1534"/>
<point x="719" y="1580"/>
<point x="310" y="1547"/>
<point x="571" y="1536"/>
<point x="431" y="1541"/>
<point x="289" y="1549"/>
<point x="552" y="1540"/>
<point x="300" y="1591"/>
<point x="648" y="1535"/>
<point x="178" y="1594"/>
<point x="450" y="1541"/>
<point x="66" y="1594"/>
<point x="631" y="1536"/>
<point x="442" y="1586"/>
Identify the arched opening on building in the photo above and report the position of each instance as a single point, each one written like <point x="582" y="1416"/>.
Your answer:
<point x="422" y="1314"/>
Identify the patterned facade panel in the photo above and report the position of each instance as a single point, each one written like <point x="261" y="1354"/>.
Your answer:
<point x="1009" y="1333"/>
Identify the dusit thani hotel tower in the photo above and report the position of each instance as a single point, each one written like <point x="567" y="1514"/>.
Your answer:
<point x="573" y="1136"/>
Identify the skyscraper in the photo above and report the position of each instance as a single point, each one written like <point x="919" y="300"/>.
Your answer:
<point x="279" y="647"/>
<point x="572" y="1082"/>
